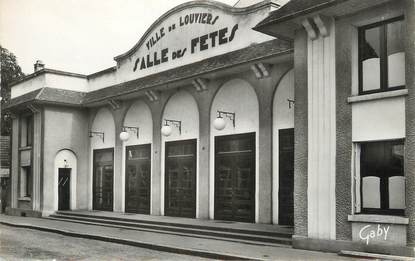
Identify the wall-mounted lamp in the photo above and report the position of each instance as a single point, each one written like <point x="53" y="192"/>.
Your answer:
<point x="166" y="130"/>
<point x="65" y="163"/>
<point x="124" y="135"/>
<point x="290" y="103"/>
<point x="96" y="133"/>
<point x="219" y="123"/>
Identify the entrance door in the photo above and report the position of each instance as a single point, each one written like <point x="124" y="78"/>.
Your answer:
<point x="235" y="177"/>
<point x="137" y="179"/>
<point x="180" y="179"/>
<point x="64" y="181"/>
<point x="286" y="177"/>
<point x="103" y="179"/>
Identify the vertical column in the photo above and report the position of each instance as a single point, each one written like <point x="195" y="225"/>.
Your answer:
<point x="37" y="156"/>
<point x="156" y="111"/>
<point x="265" y="96"/>
<point x="14" y="162"/>
<point x="300" y="134"/>
<point x="321" y="128"/>
<point x="410" y="117"/>
<point x="204" y="100"/>
<point x="119" y="191"/>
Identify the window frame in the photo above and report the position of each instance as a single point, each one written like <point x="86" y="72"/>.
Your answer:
<point x="383" y="62"/>
<point x="380" y="211"/>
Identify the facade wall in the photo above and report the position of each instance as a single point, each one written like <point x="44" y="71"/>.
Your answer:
<point x="64" y="129"/>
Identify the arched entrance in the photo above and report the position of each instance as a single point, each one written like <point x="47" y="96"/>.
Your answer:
<point x="234" y="154"/>
<point x="102" y="147"/>
<point x="180" y="156"/>
<point x="283" y="151"/>
<point x="65" y="180"/>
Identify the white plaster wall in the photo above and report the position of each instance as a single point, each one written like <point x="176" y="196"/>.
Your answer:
<point x="378" y="119"/>
<point x="182" y="107"/>
<point x="282" y="118"/>
<point x="28" y="86"/>
<point x="103" y="122"/>
<point x="101" y="81"/>
<point x="236" y="96"/>
<point x="138" y="115"/>
<point x="66" y="82"/>
<point x="71" y="160"/>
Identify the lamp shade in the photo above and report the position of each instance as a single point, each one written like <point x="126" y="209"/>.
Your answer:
<point x="219" y="123"/>
<point x="124" y="136"/>
<point x="166" y="130"/>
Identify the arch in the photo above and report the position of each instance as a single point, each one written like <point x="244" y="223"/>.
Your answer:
<point x="237" y="96"/>
<point x="67" y="159"/>
<point x="282" y="118"/>
<point x="183" y="107"/>
<point x="203" y="3"/>
<point x="103" y="122"/>
<point x="139" y="115"/>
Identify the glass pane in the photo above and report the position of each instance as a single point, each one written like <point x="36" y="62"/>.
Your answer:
<point x="397" y="192"/>
<point x="396" y="54"/>
<point x="370" y="58"/>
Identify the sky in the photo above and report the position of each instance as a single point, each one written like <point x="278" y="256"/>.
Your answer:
<point x="80" y="36"/>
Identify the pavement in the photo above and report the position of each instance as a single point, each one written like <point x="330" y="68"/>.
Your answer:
<point x="28" y="244"/>
<point x="208" y="248"/>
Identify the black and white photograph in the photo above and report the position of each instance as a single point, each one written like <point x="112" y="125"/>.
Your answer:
<point x="207" y="130"/>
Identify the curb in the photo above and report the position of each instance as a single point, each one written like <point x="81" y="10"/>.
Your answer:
<point x="159" y="247"/>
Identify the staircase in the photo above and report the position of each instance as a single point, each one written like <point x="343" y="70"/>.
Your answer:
<point x="255" y="234"/>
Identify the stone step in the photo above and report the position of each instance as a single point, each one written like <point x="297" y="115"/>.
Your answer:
<point x="222" y="226"/>
<point x="177" y="230"/>
<point x="367" y="255"/>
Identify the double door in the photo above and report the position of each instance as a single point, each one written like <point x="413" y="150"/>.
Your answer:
<point x="103" y="179"/>
<point x="180" y="178"/>
<point x="286" y="177"/>
<point x="235" y="177"/>
<point x="137" y="179"/>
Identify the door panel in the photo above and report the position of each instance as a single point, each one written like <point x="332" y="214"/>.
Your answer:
<point x="103" y="179"/>
<point x="235" y="177"/>
<point x="286" y="177"/>
<point x="180" y="178"/>
<point x="64" y="188"/>
<point x="138" y="179"/>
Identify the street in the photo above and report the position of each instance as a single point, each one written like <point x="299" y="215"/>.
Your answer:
<point x="19" y="243"/>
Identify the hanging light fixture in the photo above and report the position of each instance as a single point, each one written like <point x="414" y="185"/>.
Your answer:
<point x="125" y="135"/>
<point x="167" y="130"/>
<point x="219" y="123"/>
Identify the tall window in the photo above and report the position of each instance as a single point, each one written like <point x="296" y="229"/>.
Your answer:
<point x="382" y="181"/>
<point x="382" y="56"/>
<point x="26" y="131"/>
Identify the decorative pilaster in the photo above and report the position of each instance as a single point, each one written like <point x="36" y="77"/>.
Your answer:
<point x="321" y="128"/>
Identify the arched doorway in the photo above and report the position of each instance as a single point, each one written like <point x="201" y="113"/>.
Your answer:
<point x="179" y="162"/>
<point x="65" y="180"/>
<point x="283" y="151"/>
<point x="137" y="170"/>
<point x="234" y="153"/>
<point x="102" y="148"/>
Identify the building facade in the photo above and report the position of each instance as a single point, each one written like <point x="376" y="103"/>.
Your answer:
<point x="293" y="115"/>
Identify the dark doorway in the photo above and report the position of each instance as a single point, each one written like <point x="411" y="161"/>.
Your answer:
<point x="103" y="179"/>
<point x="64" y="189"/>
<point x="180" y="179"/>
<point x="137" y="179"/>
<point x="286" y="177"/>
<point x="235" y="177"/>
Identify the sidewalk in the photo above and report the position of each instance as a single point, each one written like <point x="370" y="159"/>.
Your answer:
<point x="170" y="243"/>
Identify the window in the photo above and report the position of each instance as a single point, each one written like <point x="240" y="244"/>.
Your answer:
<point x="26" y="181"/>
<point x="26" y="131"/>
<point x="381" y="177"/>
<point x="382" y="56"/>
